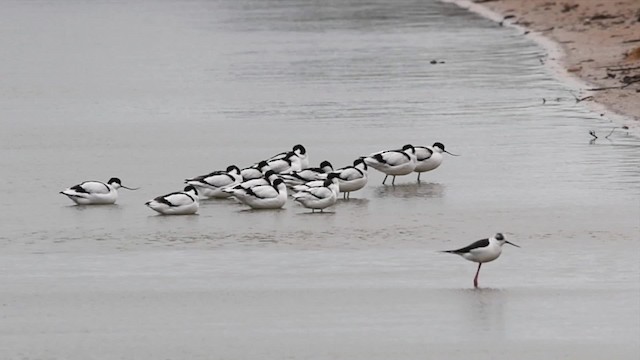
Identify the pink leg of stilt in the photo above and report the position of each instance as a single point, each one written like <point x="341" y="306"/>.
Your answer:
<point x="475" y="279"/>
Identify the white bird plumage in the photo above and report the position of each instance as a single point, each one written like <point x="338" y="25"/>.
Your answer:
<point x="482" y="251"/>
<point x="287" y="164"/>
<point x="299" y="151"/>
<point x="429" y="157"/>
<point x="184" y="202"/>
<point x="308" y="174"/>
<point x="393" y="162"/>
<point x="211" y="185"/>
<point x="352" y="178"/>
<point x="268" y="179"/>
<point x="255" y="171"/>
<point x="317" y="198"/>
<point x="333" y="177"/>
<point x="95" y="192"/>
<point x="271" y="196"/>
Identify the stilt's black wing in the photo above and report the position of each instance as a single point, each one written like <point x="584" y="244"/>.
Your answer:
<point x="478" y="244"/>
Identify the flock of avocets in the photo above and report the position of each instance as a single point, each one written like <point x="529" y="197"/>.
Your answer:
<point x="266" y="184"/>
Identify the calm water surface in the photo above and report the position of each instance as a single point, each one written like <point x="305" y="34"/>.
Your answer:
<point x="156" y="91"/>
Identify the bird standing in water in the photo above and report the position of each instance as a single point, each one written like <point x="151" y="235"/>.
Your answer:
<point x="482" y="251"/>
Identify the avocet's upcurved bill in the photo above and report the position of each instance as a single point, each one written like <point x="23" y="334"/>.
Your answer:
<point x="299" y="150"/>
<point x="332" y="177"/>
<point x="211" y="185"/>
<point x="352" y="178"/>
<point x="291" y="162"/>
<point x="263" y="196"/>
<point x="320" y="197"/>
<point x="393" y="162"/>
<point x="95" y="192"/>
<point x="255" y="171"/>
<point x="268" y="179"/>
<point x="177" y="203"/>
<point x="308" y="174"/>
<point x="429" y="157"/>
<point x="482" y="251"/>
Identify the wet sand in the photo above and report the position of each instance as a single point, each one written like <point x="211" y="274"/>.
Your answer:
<point x="599" y="39"/>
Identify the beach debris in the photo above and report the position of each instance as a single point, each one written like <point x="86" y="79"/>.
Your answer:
<point x="633" y="55"/>
<point x="603" y="17"/>
<point x="568" y="7"/>
<point x="574" y="69"/>
<point x="606" y="137"/>
<point x="579" y="99"/>
<point x="624" y="68"/>
<point x="631" y="79"/>
<point x="433" y="62"/>
<point x="593" y="133"/>
<point x="506" y="18"/>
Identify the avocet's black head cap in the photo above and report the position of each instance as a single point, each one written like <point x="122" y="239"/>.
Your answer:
<point x="231" y="168"/>
<point x="360" y="160"/>
<point x="277" y="182"/>
<point x="438" y="144"/>
<point x="262" y="164"/>
<point x="191" y="188"/>
<point x="327" y="182"/>
<point x="268" y="173"/>
<point x="114" y="180"/>
<point x="325" y="164"/>
<point x="300" y="148"/>
<point x="499" y="236"/>
<point x="332" y="175"/>
<point x="409" y="147"/>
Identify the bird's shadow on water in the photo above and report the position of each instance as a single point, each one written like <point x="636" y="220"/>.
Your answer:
<point x="411" y="190"/>
<point x="352" y="201"/>
<point x="317" y="213"/>
<point x="77" y="207"/>
<point x="252" y="210"/>
<point x="170" y="216"/>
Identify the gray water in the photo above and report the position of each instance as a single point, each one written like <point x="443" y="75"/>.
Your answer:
<point x="156" y="91"/>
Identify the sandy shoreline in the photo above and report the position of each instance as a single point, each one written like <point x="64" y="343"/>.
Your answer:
<point x="593" y="41"/>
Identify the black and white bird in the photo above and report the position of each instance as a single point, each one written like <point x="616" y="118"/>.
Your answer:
<point x="482" y="251"/>
<point x="308" y="174"/>
<point x="393" y="162"/>
<point x="429" y="157"/>
<point x="212" y="184"/>
<point x="268" y="179"/>
<point x="283" y="165"/>
<point x="299" y="151"/>
<point x="270" y="196"/>
<point x="177" y="203"/>
<point x="332" y="177"/>
<point x="352" y="178"/>
<point x="95" y="192"/>
<point x="255" y="171"/>
<point x="317" y="198"/>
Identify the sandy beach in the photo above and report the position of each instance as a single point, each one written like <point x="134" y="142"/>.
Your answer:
<point x="600" y="42"/>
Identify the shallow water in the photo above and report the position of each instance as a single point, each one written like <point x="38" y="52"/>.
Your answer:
<point x="153" y="92"/>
